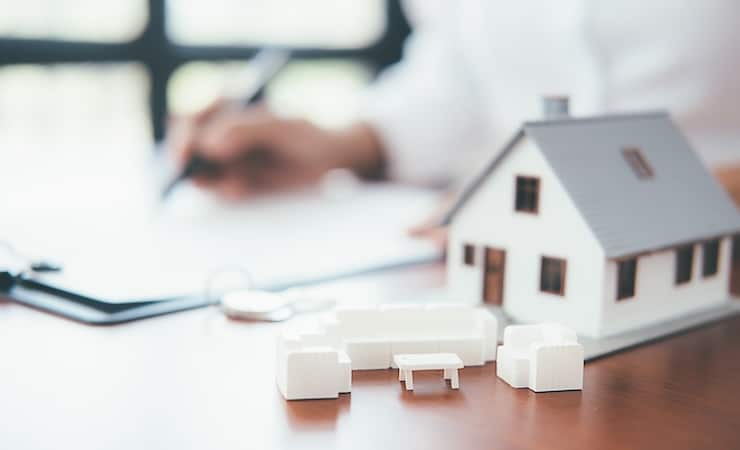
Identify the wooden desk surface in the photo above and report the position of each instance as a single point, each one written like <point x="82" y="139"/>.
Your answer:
<point x="195" y="380"/>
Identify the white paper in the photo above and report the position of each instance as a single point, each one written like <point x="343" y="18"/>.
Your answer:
<point x="117" y="243"/>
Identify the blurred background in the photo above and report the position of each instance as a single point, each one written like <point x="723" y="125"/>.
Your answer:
<point x="86" y="87"/>
<point x="90" y="84"/>
<point x="88" y="76"/>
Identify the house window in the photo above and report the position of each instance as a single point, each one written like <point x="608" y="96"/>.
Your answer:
<point x="684" y="263"/>
<point x="638" y="163"/>
<point x="552" y="275"/>
<point x="710" y="258"/>
<point x="469" y="255"/>
<point x="527" y="194"/>
<point x="626" y="274"/>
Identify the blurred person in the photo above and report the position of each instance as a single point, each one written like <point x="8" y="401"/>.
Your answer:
<point x="474" y="70"/>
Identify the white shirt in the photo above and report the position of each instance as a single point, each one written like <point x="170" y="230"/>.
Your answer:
<point x="474" y="70"/>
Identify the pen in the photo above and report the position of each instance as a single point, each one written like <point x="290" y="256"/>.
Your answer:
<point x="267" y="63"/>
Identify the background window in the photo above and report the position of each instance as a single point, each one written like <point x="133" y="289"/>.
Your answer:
<point x="330" y="89"/>
<point x="684" y="263"/>
<point x="552" y="275"/>
<point x="527" y="194"/>
<point x="294" y="23"/>
<point x="626" y="274"/>
<point x="136" y="61"/>
<point x="85" y="20"/>
<point x="710" y="258"/>
<point x="469" y="255"/>
<point x="90" y="111"/>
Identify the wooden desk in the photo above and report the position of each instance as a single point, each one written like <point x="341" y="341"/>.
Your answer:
<point x="195" y="380"/>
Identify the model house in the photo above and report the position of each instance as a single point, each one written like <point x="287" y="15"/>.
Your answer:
<point x="603" y="224"/>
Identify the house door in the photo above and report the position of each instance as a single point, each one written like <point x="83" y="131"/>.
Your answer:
<point x="735" y="269"/>
<point x="494" y="263"/>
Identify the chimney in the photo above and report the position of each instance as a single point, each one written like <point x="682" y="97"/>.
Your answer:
<point x="555" y="107"/>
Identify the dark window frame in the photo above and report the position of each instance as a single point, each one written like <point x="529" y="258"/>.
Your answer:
<point x="546" y="274"/>
<point x="684" y="270"/>
<point x="469" y="254"/>
<point x="527" y="188"/>
<point x="626" y="278"/>
<point x="161" y="56"/>
<point x="710" y="267"/>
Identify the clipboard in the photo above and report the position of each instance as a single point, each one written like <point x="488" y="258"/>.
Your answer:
<point x="130" y="265"/>
<point x="86" y="309"/>
<point x="45" y="297"/>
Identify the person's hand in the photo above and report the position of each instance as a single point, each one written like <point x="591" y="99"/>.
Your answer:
<point x="260" y="152"/>
<point x="729" y="178"/>
<point x="430" y="228"/>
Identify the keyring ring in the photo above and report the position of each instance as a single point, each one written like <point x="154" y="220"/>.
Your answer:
<point x="214" y="298"/>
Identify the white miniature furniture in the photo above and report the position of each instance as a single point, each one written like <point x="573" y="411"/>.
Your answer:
<point x="306" y="370"/>
<point x="448" y="362"/>
<point x="544" y="357"/>
<point x="369" y="337"/>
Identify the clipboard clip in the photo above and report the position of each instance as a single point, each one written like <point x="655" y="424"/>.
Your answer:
<point x="9" y="278"/>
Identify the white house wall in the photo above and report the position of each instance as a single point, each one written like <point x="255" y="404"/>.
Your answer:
<point x="657" y="297"/>
<point x="558" y="230"/>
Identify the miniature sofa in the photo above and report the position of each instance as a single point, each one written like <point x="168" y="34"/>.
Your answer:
<point x="317" y="364"/>
<point x="544" y="357"/>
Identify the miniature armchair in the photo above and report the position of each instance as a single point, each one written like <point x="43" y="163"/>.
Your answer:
<point x="543" y="357"/>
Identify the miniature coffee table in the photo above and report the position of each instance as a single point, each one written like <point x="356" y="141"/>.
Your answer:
<point x="448" y="362"/>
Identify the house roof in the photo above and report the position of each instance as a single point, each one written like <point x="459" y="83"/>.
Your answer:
<point x="681" y="203"/>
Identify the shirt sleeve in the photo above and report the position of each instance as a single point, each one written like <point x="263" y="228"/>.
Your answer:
<point x="424" y="108"/>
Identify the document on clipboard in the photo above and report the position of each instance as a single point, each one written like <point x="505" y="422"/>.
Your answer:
<point x="281" y="241"/>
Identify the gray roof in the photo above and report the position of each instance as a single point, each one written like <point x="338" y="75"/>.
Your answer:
<point x="682" y="203"/>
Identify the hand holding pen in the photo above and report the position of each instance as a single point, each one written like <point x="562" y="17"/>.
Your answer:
<point x="238" y="149"/>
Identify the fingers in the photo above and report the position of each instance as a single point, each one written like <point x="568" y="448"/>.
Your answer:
<point x="230" y="186"/>
<point x="437" y="235"/>
<point x="245" y="180"/>
<point x="729" y="177"/>
<point x="183" y="131"/>
<point x="431" y="227"/>
<point x="181" y="140"/>
<point x="227" y="138"/>
<point x="211" y="110"/>
<point x="254" y="150"/>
